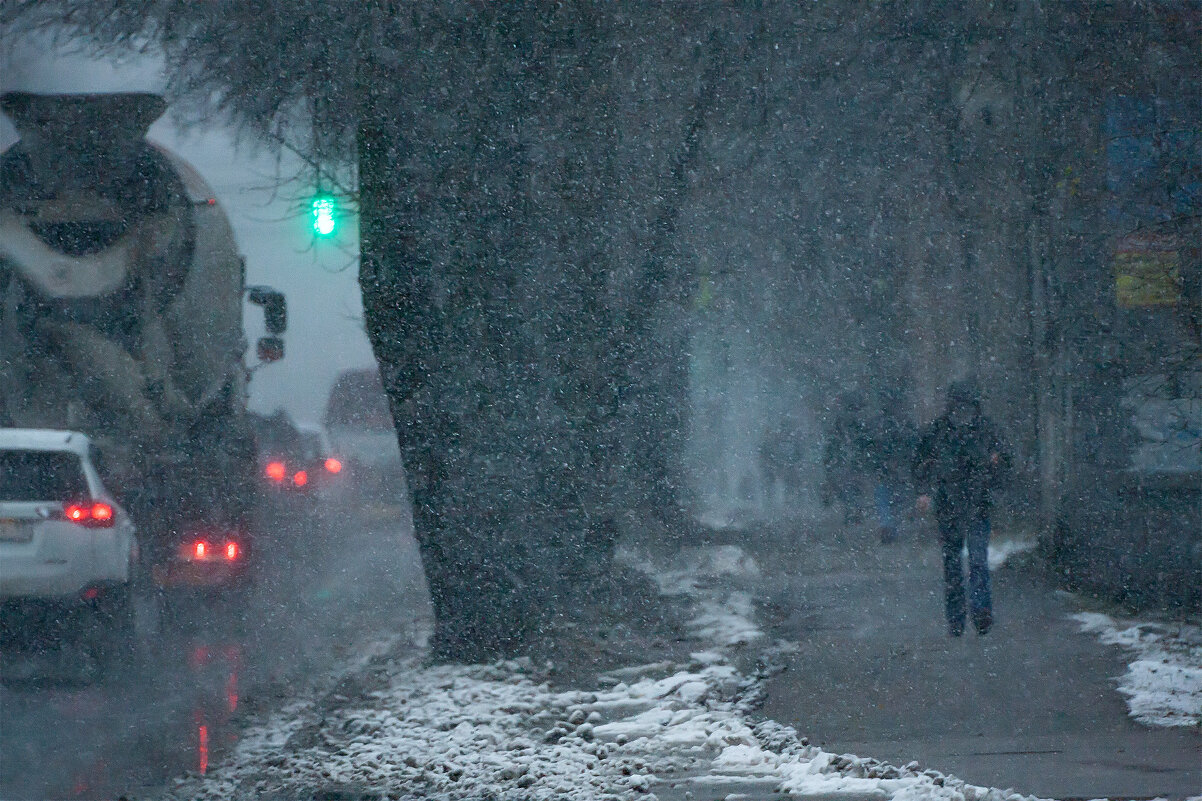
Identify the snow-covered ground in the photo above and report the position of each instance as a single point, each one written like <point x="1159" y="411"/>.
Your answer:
<point x="1163" y="682"/>
<point x="679" y="730"/>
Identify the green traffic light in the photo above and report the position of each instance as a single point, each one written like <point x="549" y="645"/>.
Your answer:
<point x="323" y="215"/>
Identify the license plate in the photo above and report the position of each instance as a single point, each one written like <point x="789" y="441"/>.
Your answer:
<point x="15" y="531"/>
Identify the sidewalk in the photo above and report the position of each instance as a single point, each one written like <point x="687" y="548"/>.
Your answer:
<point x="1032" y="706"/>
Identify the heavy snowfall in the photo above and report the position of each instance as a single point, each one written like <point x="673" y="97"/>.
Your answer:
<point x="601" y="400"/>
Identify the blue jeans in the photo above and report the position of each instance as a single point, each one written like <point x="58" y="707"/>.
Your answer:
<point x="954" y="531"/>
<point x="888" y="501"/>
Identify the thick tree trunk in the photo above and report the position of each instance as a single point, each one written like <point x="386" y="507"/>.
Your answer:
<point x="534" y="395"/>
<point x="481" y="603"/>
<point x="488" y="344"/>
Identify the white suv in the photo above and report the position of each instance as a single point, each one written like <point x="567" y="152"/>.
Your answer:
<point x="67" y="549"/>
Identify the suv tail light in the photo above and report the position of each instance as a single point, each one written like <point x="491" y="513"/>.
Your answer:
<point x="90" y="514"/>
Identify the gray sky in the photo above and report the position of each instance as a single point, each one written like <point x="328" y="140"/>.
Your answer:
<point x="270" y="221"/>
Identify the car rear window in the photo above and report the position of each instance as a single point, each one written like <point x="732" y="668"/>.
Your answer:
<point x="41" y="476"/>
<point x="309" y="447"/>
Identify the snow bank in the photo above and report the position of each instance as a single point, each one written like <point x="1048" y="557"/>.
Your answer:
<point x="499" y="731"/>
<point x="691" y="569"/>
<point x="1163" y="684"/>
<point x="1001" y="552"/>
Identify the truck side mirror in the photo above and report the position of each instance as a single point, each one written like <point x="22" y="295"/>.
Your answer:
<point x="275" y="307"/>
<point x="269" y="349"/>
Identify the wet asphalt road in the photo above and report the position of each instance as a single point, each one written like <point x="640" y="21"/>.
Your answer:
<point x="342" y="574"/>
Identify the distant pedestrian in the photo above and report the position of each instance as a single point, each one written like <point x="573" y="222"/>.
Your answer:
<point x="891" y="440"/>
<point x="845" y="458"/>
<point x="959" y="462"/>
<point x="781" y="454"/>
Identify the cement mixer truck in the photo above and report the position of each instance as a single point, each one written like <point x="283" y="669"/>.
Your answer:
<point x="122" y="295"/>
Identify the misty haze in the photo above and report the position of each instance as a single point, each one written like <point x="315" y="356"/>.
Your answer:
<point x="591" y="400"/>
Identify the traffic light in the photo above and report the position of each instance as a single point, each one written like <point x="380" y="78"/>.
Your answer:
<point x="323" y="208"/>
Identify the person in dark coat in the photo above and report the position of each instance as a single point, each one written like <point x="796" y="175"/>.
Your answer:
<point x="844" y="458"/>
<point x="959" y="461"/>
<point x="781" y="454"/>
<point x="891" y="441"/>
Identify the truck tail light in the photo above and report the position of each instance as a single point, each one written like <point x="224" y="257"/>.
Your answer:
<point x="206" y="550"/>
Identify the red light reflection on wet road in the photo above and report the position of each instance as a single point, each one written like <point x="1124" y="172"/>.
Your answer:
<point x="213" y="665"/>
<point x="202" y="749"/>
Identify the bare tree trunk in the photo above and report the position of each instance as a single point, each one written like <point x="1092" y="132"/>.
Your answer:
<point x="653" y="400"/>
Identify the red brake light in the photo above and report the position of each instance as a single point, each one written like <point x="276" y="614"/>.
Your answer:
<point x="200" y="549"/>
<point x="231" y="551"/>
<point x="275" y="471"/>
<point x="300" y="478"/>
<point x="93" y="515"/>
<point x="333" y="465"/>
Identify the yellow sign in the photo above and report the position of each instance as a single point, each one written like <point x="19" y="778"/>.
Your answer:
<point x="1146" y="273"/>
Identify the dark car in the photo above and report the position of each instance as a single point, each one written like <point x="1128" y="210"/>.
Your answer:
<point x="296" y="459"/>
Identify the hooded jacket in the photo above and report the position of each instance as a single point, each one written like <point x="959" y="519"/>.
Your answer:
<point x="954" y="462"/>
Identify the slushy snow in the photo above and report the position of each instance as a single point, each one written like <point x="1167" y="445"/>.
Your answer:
<point x="1002" y="552"/>
<point x="1163" y="682"/>
<point x="499" y="731"/>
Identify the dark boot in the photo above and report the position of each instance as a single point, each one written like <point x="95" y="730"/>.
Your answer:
<point x="955" y="627"/>
<point x="983" y="621"/>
